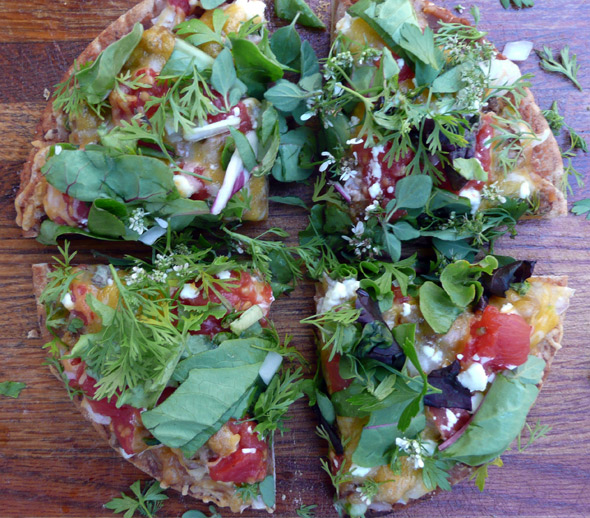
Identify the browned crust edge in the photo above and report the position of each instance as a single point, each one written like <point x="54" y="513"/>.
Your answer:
<point x="546" y="161"/>
<point x="150" y="461"/>
<point x="547" y="349"/>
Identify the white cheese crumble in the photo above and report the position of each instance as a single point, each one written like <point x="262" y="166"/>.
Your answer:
<point x="225" y="274"/>
<point x="57" y="150"/>
<point x="525" y="190"/>
<point x="501" y="72"/>
<point x="248" y="450"/>
<point x="406" y="309"/>
<point x="375" y="168"/>
<point x="375" y="190"/>
<point x="474" y="378"/>
<point x="338" y="292"/>
<point x="251" y="8"/>
<point x="344" y="23"/>
<point x="184" y="186"/>
<point x="67" y="302"/>
<point x="508" y="309"/>
<point x="358" y="471"/>
<point x="451" y="420"/>
<point x="189" y="291"/>
<point x="474" y="197"/>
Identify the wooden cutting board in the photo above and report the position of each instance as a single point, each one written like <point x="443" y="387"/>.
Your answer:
<point x="51" y="461"/>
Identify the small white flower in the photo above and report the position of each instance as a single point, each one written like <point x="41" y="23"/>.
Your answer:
<point x="330" y="159"/>
<point x="358" y="229"/>
<point x="307" y="115"/>
<point x="137" y="222"/>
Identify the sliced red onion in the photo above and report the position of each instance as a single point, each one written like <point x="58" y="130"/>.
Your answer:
<point x="236" y="176"/>
<point x="518" y="50"/>
<point x="342" y="192"/>
<point x="210" y="130"/>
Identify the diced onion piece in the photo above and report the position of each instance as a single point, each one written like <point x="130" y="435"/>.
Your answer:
<point x="270" y="366"/>
<point x="518" y="50"/>
<point x="248" y="318"/>
<point x="210" y="130"/>
<point x="233" y="173"/>
<point x="152" y="235"/>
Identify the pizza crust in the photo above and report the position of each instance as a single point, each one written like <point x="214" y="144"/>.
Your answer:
<point x="546" y="163"/>
<point x="159" y="462"/>
<point x="546" y="349"/>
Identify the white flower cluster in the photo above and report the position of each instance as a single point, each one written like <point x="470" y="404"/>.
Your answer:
<point x="312" y="104"/>
<point x="475" y="82"/>
<point x="163" y="268"/>
<point x="492" y="193"/>
<point x="137" y="221"/>
<point x="369" y="54"/>
<point x="361" y="246"/>
<point x="342" y="60"/>
<point x="415" y="449"/>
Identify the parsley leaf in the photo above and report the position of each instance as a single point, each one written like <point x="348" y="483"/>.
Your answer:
<point x="554" y="119"/>
<point x="147" y="501"/>
<point x="11" y="388"/>
<point x="564" y="64"/>
<point x="481" y="474"/>
<point x="306" y="511"/>
<point x="582" y="207"/>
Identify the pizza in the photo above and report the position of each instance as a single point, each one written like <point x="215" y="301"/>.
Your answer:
<point x="426" y="381"/>
<point x="156" y="123"/>
<point x="171" y="364"/>
<point x="411" y="89"/>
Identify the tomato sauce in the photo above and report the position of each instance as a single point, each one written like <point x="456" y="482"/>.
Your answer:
<point x="248" y="463"/>
<point x="239" y="110"/>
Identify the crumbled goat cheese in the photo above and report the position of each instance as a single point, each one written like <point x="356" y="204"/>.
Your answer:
<point x="225" y="274"/>
<point x="474" y="197"/>
<point x="474" y="378"/>
<point x="67" y="302"/>
<point x="189" y="291"/>
<point x="375" y="190"/>
<point x="337" y="293"/>
<point x="406" y="309"/>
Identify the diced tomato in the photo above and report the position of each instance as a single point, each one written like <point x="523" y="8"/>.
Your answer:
<point x="183" y="5"/>
<point x="246" y="291"/>
<point x="239" y="110"/>
<point x="398" y="297"/>
<point x="483" y="142"/>
<point x="197" y="185"/>
<point x="501" y="340"/>
<point x="375" y="169"/>
<point x="447" y="425"/>
<point x="132" y="102"/>
<point x="125" y="421"/>
<point x="331" y="369"/>
<point x="248" y="464"/>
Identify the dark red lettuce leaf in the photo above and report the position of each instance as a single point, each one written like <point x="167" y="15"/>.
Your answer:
<point x="453" y="395"/>
<point x="499" y="282"/>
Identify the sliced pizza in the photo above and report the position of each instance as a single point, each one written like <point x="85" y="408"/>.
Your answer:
<point x="413" y="90"/>
<point x="159" y="120"/>
<point x="175" y="365"/>
<point x="425" y="381"/>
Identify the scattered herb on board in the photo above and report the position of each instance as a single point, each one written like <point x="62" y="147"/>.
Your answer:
<point x="11" y="388"/>
<point x="201" y="514"/>
<point x="506" y="4"/>
<point x="565" y="63"/>
<point x="147" y="501"/>
<point x="306" y="511"/>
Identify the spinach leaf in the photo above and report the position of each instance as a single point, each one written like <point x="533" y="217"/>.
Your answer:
<point x="90" y="174"/>
<point x="11" y="388"/>
<point x="97" y="80"/>
<point x="285" y="96"/>
<point x="309" y="60"/>
<point x="386" y="18"/>
<point x="288" y="10"/>
<point x="255" y="64"/>
<point x="286" y="44"/>
<point x="437" y="307"/>
<point x="197" y="409"/>
<point x="183" y="58"/>
<point x="500" y="417"/>
<point x="296" y="149"/>
<point x="105" y="218"/>
<point x="50" y="232"/>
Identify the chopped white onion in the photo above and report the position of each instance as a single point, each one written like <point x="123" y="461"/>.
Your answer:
<point x="210" y="130"/>
<point x="152" y="235"/>
<point x="518" y="50"/>
<point x="270" y="366"/>
<point x="248" y="318"/>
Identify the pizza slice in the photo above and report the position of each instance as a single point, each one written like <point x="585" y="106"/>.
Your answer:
<point x="157" y="122"/>
<point x="413" y="90"/>
<point x="175" y="365"/>
<point x="425" y="381"/>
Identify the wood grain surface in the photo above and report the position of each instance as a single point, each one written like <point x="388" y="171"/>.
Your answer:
<point x="52" y="463"/>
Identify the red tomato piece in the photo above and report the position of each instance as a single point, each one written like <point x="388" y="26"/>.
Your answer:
<point x="248" y="463"/>
<point x="501" y="340"/>
<point x="132" y="102"/>
<point x="483" y="143"/>
<point x="183" y="5"/>
<point x="448" y="421"/>
<point x="375" y="169"/>
<point x="398" y="297"/>
<point x="331" y="369"/>
<point x="239" y="110"/>
<point x="197" y="185"/>
<point x="247" y="292"/>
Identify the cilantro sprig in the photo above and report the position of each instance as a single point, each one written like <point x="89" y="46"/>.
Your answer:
<point x="146" y="501"/>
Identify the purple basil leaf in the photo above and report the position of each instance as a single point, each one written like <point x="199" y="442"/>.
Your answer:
<point x="499" y="282"/>
<point x="453" y="395"/>
<point x="370" y="311"/>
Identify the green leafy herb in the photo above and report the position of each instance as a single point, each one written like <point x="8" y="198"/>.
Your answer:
<point x="289" y="9"/>
<point x="341" y="476"/>
<point x="200" y="514"/>
<point x="248" y="492"/>
<point x="147" y="501"/>
<point x="564" y="64"/>
<point x="435" y="473"/>
<point x="306" y="511"/>
<point x="536" y="432"/>
<point x="554" y="119"/>
<point x="582" y="207"/>
<point x="517" y="3"/>
<point x="481" y="474"/>
<point x="11" y="388"/>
